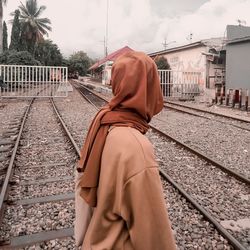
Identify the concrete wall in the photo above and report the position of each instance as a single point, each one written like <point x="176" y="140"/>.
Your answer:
<point x="189" y="60"/>
<point x="238" y="66"/>
<point x="192" y="59"/>
<point x="238" y="58"/>
<point x="236" y="31"/>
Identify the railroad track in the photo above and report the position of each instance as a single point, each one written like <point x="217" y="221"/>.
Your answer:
<point x="226" y="188"/>
<point x="11" y="116"/>
<point x="37" y="193"/>
<point x="237" y="122"/>
<point x="89" y="95"/>
<point x="10" y="120"/>
<point x="223" y="143"/>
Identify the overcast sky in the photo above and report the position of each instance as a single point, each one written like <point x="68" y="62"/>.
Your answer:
<point x="140" y="24"/>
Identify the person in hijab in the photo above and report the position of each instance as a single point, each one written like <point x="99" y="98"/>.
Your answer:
<point x="120" y="175"/>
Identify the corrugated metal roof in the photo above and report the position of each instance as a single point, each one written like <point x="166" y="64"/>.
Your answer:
<point x="212" y="42"/>
<point x="110" y="57"/>
<point x="183" y="47"/>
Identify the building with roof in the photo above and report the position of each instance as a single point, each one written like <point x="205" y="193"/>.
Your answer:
<point x="204" y="56"/>
<point x="102" y="68"/>
<point x="222" y="63"/>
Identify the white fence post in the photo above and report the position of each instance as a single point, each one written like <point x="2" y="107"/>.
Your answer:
<point x="179" y="84"/>
<point x="33" y="81"/>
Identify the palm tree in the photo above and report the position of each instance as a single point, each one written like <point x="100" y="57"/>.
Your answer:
<point x="1" y="23"/>
<point x="33" y="27"/>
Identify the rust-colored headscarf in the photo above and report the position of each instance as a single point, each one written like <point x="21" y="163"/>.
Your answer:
<point x="137" y="97"/>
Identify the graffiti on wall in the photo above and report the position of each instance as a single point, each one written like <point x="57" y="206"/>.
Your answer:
<point x="189" y="61"/>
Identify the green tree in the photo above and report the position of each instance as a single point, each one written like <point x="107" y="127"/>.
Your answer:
<point x="162" y="63"/>
<point x="48" y="53"/>
<point x="33" y="27"/>
<point x="1" y="23"/>
<point x="65" y="62"/>
<point x="15" y="32"/>
<point x="12" y="57"/>
<point x="5" y="37"/>
<point x="79" y="62"/>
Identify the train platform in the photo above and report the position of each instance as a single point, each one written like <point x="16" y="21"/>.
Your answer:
<point x="104" y="90"/>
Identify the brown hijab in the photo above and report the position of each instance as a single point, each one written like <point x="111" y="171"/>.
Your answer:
<point x="137" y="97"/>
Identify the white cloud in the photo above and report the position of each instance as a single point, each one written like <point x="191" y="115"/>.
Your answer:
<point x="208" y="21"/>
<point x="80" y="24"/>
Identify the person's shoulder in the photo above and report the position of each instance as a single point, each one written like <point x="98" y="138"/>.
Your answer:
<point x="131" y="141"/>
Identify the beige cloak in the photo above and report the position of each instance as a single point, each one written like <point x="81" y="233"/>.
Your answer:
<point x="131" y="211"/>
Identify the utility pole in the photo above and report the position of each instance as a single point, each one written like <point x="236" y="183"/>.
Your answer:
<point x="106" y="38"/>
<point x="104" y="45"/>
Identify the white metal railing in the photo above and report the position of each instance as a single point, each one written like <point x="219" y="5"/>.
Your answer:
<point x="180" y="84"/>
<point x="33" y="81"/>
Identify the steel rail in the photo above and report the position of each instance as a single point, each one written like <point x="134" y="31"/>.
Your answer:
<point x="214" y="162"/>
<point x="65" y="128"/>
<point x="209" y="112"/>
<point x="202" y="116"/>
<point x="79" y="86"/>
<point x="205" y="213"/>
<point x="194" y="151"/>
<point x="233" y="241"/>
<point x="4" y="190"/>
<point x="185" y="112"/>
<point x="42" y="236"/>
<point x="88" y="100"/>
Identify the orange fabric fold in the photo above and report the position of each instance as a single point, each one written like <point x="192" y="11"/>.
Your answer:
<point x="137" y="97"/>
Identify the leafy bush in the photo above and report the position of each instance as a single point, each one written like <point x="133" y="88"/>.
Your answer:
<point x="162" y="63"/>
<point x="79" y="62"/>
<point x="48" y="53"/>
<point x="13" y="57"/>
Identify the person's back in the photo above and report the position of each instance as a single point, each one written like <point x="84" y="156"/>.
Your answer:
<point x="121" y="178"/>
<point x="131" y="213"/>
